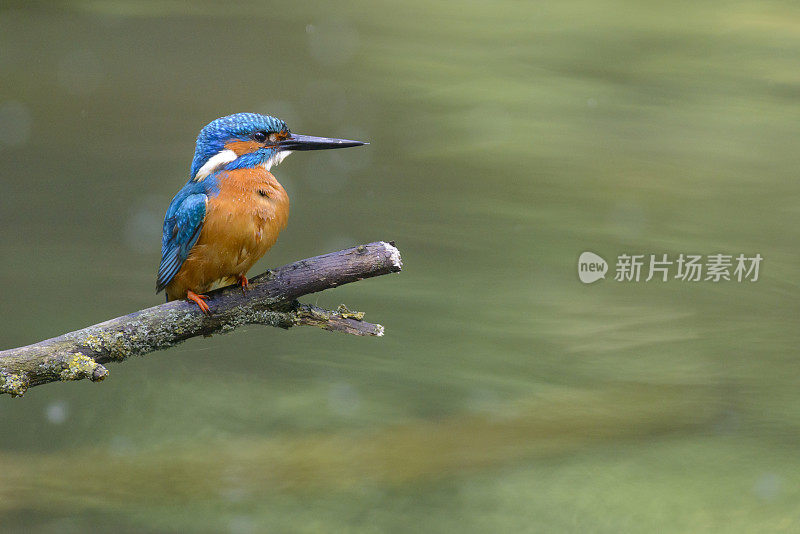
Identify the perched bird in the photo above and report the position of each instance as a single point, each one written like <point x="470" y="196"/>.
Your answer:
<point x="232" y="209"/>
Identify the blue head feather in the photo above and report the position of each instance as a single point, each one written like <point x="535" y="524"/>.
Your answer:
<point x="240" y="126"/>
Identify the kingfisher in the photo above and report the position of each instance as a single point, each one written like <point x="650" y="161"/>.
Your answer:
<point x="230" y="212"/>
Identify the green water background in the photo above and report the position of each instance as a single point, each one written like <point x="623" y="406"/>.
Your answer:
<point x="506" y="138"/>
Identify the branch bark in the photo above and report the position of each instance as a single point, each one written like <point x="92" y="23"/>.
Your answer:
<point x="270" y="300"/>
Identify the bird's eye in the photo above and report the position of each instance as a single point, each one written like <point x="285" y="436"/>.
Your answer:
<point x="260" y="136"/>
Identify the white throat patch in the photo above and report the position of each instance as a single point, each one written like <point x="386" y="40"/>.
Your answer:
<point x="226" y="156"/>
<point x="276" y="159"/>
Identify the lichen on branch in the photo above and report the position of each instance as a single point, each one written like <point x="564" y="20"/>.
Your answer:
<point x="270" y="300"/>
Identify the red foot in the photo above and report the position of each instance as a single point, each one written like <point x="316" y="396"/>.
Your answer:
<point x="244" y="282"/>
<point x="199" y="300"/>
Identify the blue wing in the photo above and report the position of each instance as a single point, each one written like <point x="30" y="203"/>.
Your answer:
<point x="182" y="226"/>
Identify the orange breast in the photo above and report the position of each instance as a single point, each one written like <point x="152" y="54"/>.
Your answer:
<point x="241" y="224"/>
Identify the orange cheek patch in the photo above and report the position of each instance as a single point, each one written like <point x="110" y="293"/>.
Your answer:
<point x="243" y="147"/>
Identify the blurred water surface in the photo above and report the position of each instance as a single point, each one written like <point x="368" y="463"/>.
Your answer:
<point x="506" y="138"/>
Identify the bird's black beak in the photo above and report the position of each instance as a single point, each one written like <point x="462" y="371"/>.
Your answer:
<point x="309" y="142"/>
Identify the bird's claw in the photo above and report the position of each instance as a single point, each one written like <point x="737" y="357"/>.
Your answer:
<point x="199" y="300"/>
<point x="245" y="283"/>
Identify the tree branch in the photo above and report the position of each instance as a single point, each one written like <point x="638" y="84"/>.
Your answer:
<point x="270" y="300"/>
